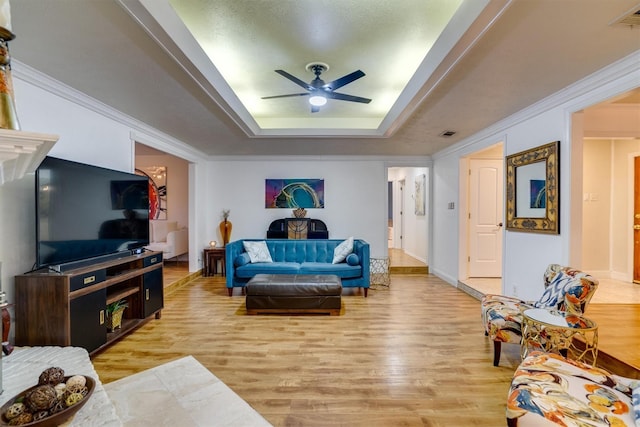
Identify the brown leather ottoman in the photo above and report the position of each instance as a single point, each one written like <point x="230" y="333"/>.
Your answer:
<point x="294" y="293"/>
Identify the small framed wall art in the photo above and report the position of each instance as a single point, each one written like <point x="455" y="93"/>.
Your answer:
<point x="533" y="190"/>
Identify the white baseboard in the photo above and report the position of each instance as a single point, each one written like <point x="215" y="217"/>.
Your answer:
<point x="449" y="279"/>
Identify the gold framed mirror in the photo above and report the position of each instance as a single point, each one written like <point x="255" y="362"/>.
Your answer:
<point x="533" y="190"/>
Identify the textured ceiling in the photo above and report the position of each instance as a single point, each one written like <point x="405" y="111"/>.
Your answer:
<point x="126" y="55"/>
<point x="247" y="40"/>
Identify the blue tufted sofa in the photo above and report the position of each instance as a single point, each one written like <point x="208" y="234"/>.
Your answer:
<point x="299" y="256"/>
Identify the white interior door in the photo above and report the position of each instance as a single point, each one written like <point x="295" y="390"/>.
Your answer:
<point x="486" y="182"/>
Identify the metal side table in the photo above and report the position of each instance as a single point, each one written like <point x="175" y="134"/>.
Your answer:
<point x="571" y="335"/>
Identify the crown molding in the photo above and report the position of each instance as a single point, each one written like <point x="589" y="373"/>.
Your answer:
<point x="140" y="129"/>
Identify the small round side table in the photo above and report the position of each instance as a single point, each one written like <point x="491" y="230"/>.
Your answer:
<point x="559" y="332"/>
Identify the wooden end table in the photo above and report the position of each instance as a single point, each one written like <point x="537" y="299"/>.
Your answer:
<point x="559" y="332"/>
<point x="211" y="258"/>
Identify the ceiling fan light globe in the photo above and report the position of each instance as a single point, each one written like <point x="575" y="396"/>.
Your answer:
<point x="317" y="100"/>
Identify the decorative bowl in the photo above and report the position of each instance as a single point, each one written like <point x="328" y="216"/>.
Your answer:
<point x="52" y="420"/>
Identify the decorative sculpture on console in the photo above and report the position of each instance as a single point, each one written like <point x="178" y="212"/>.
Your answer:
<point x="299" y="212"/>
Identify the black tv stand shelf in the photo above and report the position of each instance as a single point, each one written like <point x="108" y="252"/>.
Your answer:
<point x="69" y="308"/>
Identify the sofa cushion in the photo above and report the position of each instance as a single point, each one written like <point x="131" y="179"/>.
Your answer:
<point x="250" y="270"/>
<point x="161" y="228"/>
<point x="342" y="270"/>
<point x="353" y="259"/>
<point x="342" y="250"/>
<point x="242" y="259"/>
<point x="258" y="251"/>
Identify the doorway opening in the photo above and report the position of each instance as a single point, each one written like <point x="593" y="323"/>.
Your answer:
<point x="407" y="218"/>
<point x="481" y="219"/>
<point x="608" y="136"/>
<point x="176" y="193"/>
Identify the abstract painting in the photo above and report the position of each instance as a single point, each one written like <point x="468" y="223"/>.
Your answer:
<point x="421" y="181"/>
<point x="538" y="194"/>
<point x="157" y="190"/>
<point x="294" y="193"/>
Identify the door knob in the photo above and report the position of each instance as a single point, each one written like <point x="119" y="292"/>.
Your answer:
<point x="499" y="224"/>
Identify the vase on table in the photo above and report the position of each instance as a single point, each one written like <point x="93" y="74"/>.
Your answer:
<point x="225" y="228"/>
<point x="225" y="231"/>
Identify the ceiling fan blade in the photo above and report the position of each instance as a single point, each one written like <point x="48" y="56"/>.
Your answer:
<point x="285" y="96"/>
<point x="345" y="97"/>
<point x="295" y="79"/>
<point x="345" y="80"/>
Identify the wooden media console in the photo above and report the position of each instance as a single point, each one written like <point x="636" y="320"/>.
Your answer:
<point x="69" y="308"/>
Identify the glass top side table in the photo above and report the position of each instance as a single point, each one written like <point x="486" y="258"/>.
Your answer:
<point x="553" y="331"/>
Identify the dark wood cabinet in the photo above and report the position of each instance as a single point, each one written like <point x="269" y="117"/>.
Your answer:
<point x="69" y="308"/>
<point x="153" y="294"/>
<point x="87" y="325"/>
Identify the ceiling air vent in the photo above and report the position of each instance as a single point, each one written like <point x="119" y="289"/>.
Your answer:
<point x="448" y="133"/>
<point x="630" y="18"/>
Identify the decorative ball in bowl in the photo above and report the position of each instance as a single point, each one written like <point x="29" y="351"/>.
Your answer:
<point x="51" y="402"/>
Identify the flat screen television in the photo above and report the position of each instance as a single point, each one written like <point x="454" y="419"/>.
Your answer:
<point x="84" y="212"/>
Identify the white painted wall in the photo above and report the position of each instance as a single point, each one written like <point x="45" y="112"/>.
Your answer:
<point x="596" y="205"/>
<point x="355" y="197"/>
<point x="526" y="255"/>
<point x="444" y="254"/>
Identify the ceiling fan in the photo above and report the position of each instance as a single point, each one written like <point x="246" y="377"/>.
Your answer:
<point x="318" y="91"/>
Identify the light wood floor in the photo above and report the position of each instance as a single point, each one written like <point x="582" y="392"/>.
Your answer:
<point x="411" y="354"/>
<point x="615" y="307"/>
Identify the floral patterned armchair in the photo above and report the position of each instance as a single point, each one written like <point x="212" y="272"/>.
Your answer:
<point x="566" y="289"/>
<point x="549" y="390"/>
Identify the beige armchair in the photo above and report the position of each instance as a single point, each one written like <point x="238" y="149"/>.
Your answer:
<point x="166" y="237"/>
